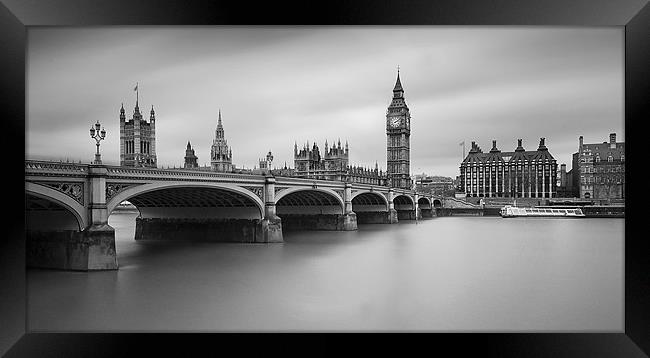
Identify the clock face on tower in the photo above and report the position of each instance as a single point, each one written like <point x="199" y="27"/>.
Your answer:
<point x="394" y="122"/>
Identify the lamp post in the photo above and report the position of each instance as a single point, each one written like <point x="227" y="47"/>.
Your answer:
<point x="97" y="135"/>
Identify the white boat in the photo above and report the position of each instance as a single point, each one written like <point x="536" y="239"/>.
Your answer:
<point x="509" y="211"/>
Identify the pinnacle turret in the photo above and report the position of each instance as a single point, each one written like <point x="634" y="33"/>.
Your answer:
<point x="152" y="114"/>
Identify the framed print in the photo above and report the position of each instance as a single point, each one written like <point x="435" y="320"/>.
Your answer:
<point x="456" y="171"/>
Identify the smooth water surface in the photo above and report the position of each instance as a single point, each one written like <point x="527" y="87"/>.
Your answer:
<point x="440" y="274"/>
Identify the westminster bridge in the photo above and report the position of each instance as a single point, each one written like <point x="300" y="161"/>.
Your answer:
<point x="68" y="205"/>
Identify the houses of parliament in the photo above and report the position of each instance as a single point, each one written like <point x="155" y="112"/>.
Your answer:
<point x="138" y="149"/>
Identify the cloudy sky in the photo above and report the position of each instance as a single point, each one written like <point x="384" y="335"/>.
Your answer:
<point x="277" y="85"/>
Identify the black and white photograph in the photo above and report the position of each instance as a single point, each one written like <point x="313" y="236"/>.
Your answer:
<point x="325" y="178"/>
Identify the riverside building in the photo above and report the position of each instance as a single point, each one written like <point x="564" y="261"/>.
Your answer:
<point x="599" y="170"/>
<point x="518" y="174"/>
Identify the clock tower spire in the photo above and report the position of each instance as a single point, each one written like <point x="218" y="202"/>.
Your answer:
<point x="398" y="130"/>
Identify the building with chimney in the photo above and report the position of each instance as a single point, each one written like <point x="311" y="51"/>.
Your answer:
<point x="138" y="139"/>
<point x="220" y="153"/>
<point x="191" y="160"/>
<point x="518" y="174"/>
<point x="599" y="170"/>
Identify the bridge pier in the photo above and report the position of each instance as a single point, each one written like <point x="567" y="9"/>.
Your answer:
<point x="98" y="247"/>
<point x="393" y="217"/>
<point x="271" y="225"/>
<point x="208" y="229"/>
<point x="348" y="221"/>
<point x="90" y="249"/>
<point x="428" y="213"/>
<point x="377" y="217"/>
<point x="409" y="214"/>
<point x="326" y="222"/>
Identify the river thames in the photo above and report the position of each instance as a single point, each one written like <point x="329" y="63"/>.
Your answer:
<point x="443" y="274"/>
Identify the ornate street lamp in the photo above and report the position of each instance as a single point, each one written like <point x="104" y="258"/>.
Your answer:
<point x="97" y="135"/>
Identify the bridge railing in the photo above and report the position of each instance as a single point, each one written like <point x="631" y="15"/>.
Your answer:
<point x="149" y="172"/>
<point x="283" y="180"/>
<point x="48" y="166"/>
<point x="44" y="167"/>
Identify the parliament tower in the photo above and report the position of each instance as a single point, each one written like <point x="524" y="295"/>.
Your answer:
<point x="398" y="131"/>
<point x="221" y="154"/>
<point x="138" y="139"/>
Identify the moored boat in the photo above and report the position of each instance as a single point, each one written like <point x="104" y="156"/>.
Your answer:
<point x="509" y="211"/>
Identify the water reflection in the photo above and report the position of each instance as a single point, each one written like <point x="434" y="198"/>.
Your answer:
<point x="451" y="273"/>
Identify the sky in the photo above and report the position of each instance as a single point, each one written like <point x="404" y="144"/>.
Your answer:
<point x="279" y="85"/>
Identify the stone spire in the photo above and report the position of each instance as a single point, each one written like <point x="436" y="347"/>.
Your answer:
<point x="219" y="133"/>
<point x="398" y="83"/>
<point x="221" y="153"/>
<point x="122" y="115"/>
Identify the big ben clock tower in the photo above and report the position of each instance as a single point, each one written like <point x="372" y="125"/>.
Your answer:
<point x="398" y="130"/>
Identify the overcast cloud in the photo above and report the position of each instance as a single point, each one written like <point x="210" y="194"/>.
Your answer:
<point x="277" y="85"/>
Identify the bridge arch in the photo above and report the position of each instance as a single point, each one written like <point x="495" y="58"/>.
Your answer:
<point x="403" y="202"/>
<point x="424" y="203"/>
<point x="437" y="203"/>
<point x="364" y="199"/>
<point x="72" y="206"/>
<point x="211" y="195"/>
<point x="305" y="197"/>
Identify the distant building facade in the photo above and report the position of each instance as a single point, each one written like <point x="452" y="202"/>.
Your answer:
<point x="518" y="174"/>
<point x="565" y="183"/>
<point x="333" y="165"/>
<point x="220" y="153"/>
<point x="308" y="162"/>
<point x="265" y="163"/>
<point x="599" y="170"/>
<point x="434" y="184"/>
<point x="284" y="172"/>
<point x="191" y="160"/>
<point x="363" y="175"/>
<point x="138" y="139"/>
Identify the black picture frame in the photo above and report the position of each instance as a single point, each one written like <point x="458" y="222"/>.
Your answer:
<point x="17" y="15"/>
